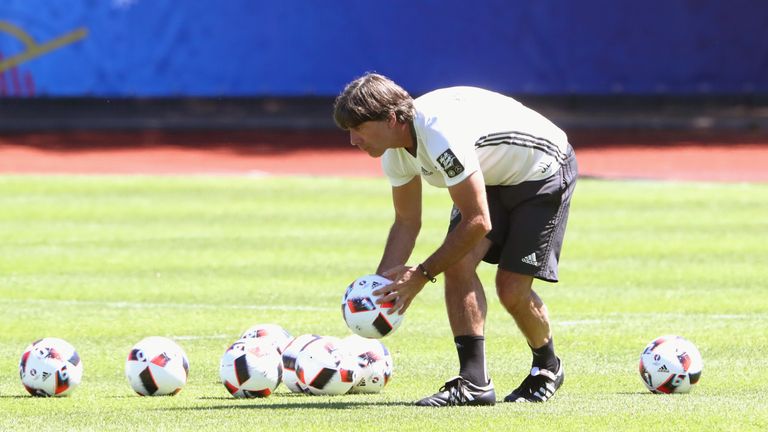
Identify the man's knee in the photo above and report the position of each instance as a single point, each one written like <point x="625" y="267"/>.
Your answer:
<point x="466" y="266"/>
<point x="513" y="289"/>
<point x="458" y="272"/>
<point x="463" y="269"/>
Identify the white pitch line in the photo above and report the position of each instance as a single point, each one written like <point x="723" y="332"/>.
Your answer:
<point x="622" y="317"/>
<point x="140" y="305"/>
<point x="578" y="322"/>
<point x="608" y="318"/>
<point x="193" y="337"/>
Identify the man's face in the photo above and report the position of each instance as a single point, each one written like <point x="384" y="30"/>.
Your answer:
<point x="374" y="137"/>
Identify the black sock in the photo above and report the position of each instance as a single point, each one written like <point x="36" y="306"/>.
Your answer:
<point x="471" y="351"/>
<point x="544" y="357"/>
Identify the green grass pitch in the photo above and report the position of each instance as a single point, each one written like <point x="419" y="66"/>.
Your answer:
<point x="105" y="261"/>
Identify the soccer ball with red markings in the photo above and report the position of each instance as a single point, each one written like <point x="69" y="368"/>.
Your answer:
<point x="50" y="367"/>
<point x="325" y="368"/>
<point x="157" y="366"/>
<point x="361" y="313"/>
<point x="374" y="363"/>
<point x="277" y="336"/>
<point x="289" y="356"/>
<point x="670" y="364"/>
<point x="251" y="368"/>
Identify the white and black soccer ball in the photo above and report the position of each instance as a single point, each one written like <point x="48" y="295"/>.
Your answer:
<point x="361" y="313"/>
<point x="375" y="365"/>
<point x="324" y="367"/>
<point x="670" y="364"/>
<point x="251" y="368"/>
<point x="277" y="336"/>
<point x="289" y="356"/>
<point x="50" y="367"/>
<point x="157" y="366"/>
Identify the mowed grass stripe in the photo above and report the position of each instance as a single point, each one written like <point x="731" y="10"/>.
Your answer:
<point x="106" y="261"/>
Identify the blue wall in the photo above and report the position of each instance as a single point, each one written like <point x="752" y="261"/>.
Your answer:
<point x="312" y="47"/>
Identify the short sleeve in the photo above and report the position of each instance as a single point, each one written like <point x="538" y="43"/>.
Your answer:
<point x="398" y="167"/>
<point x="455" y="157"/>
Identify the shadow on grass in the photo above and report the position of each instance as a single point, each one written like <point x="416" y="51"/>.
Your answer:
<point x="256" y="404"/>
<point x="276" y="396"/>
<point x="130" y="396"/>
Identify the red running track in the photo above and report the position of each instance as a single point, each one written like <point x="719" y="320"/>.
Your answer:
<point x="699" y="156"/>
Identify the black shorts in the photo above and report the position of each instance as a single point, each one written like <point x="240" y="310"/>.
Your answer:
<point x="528" y="222"/>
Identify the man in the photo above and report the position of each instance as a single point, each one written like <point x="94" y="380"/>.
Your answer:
<point x="510" y="173"/>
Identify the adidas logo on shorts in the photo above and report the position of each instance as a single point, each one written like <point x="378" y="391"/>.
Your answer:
<point x="531" y="259"/>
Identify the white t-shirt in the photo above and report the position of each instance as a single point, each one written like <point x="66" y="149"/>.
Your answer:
<point x="462" y="129"/>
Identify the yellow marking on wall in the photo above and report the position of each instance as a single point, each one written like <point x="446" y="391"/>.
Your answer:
<point x="34" y="49"/>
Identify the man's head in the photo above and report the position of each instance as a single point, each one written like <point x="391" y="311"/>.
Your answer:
<point x="372" y="97"/>
<point x="375" y="111"/>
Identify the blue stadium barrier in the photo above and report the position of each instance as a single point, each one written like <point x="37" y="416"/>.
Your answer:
<point x="310" y="48"/>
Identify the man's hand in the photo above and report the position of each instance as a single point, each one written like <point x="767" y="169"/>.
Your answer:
<point x="407" y="282"/>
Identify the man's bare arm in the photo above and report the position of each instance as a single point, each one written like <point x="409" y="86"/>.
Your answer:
<point x="405" y="229"/>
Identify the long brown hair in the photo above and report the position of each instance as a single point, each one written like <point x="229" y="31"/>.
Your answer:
<point x="372" y="97"/>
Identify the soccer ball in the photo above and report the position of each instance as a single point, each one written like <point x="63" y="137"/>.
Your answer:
<point x="670" y="364"/>
<point x="361" y="313"/>
<point x="50" y="367"/>
<point x="277" y="336"/>
<point x="289" y="356"/>
<point x="325" y="368"/>
<point x="374" y="363"/>
<point x="157" y="366"/>
<point x="251" y="368"/>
